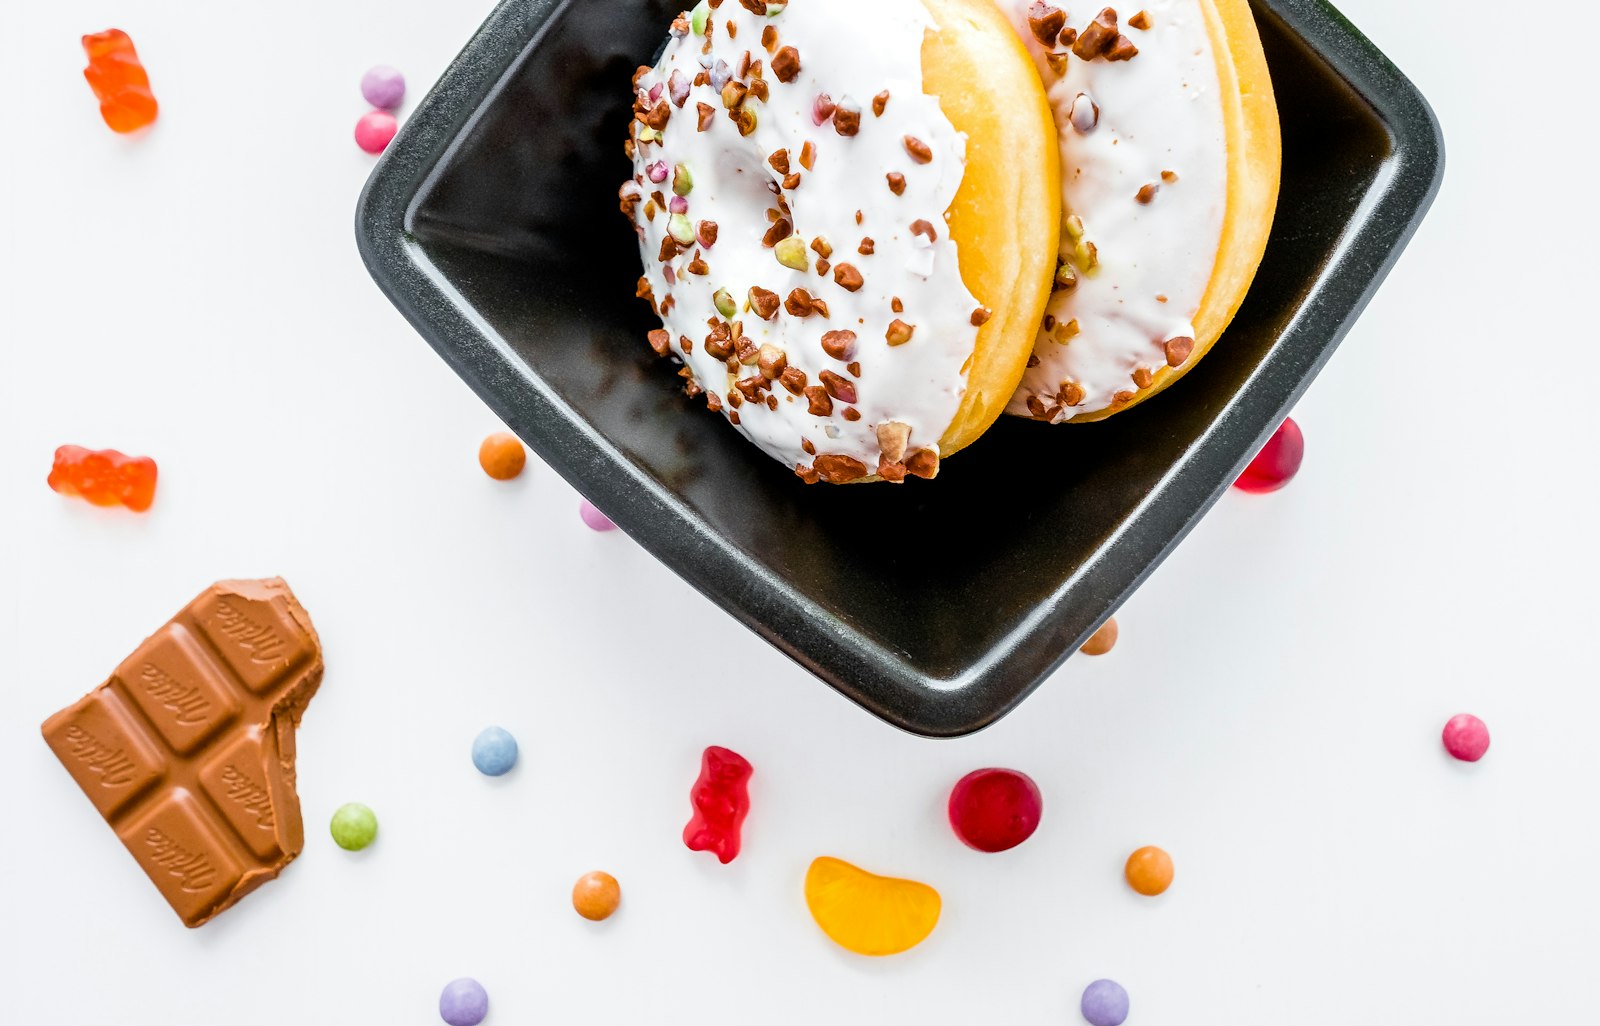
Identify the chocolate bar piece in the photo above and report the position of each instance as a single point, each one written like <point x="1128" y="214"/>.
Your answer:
<point x="188" y="750"/>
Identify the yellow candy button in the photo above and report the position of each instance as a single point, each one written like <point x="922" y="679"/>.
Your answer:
<point x="866" y="913"/>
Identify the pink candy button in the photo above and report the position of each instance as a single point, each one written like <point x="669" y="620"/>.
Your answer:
<point x="376" y="130"/>
<point x="1466" y="738"/>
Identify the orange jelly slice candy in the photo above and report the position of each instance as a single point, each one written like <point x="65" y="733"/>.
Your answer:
<point x="869" y="914"/>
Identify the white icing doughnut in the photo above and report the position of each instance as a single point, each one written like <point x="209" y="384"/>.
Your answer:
<point x="832" y="393"/>
<point x="1144" y="161"/>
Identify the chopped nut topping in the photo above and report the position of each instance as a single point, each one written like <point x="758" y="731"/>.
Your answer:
<point x="713" y="402"/>
<point x="822" y="268"/>
<point x="745" y="118"/>
<point x="1058" y="61"/>
<point x="900" y="332"/>
<point x="840" y="469"/>
<point x="923" y="463"/>
<point x="771" y="361"/>
<point x="659" y="115"/>
<point x="1143" y="378"/>
<point x="1147" y="193"/>
<point x="847" y="277"/>
<point x="769" y="37"/>
<point x="792" y="182"/>
<point x="880" y="103"/>
<point x="1046" y="22"/>
<point x="894" y="473"/>
<point x="867" y="247"/>
<point x="686" y="343"/>
<point x="810" y="450"/>
<point x="981" y="316"/>
<point x="779" y="160"/>
<point x="661" y="341"/>
<point x="1123" y="398"/>
<point x="1169" y="176"/>
<point x="846" y="122"/>
<point x="854" y="368"/>
<point x="1140" y="21"/>
<point x="821" y="405"/>
<point x="892" y="439"/>
<point x="919" y="150"/>
<point x="841" y="345"/>
<point x="1179" y="350"/>
<point x="851" y="414"/>
<point x="781" y="229"/>
<point x="698" y="266"/>
<point x="807" y="474"/>
<point x="896" y="305"/>
<point x="753" y="6"/>
<point x="733" y="93"/>
<point x="1122" y="50"/>
<point x="1085" y="114"/>
<point x="921" y="227"/>
<point x="786" y="64"/>
<point x="793" y="379"/>
<point x="763" y="302"/>
<point x="799" y="303"/>
<point x="821" y="247"/>
<point x="708" y="115"/>
<point x="897" y="185"/>
<point x="808" y="156"/>
<point x="838" y="386"/>
<point x="1071" y="394"/>
<point x="706" y="233"/>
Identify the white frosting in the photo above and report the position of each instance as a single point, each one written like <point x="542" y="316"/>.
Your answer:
<point x="853" y="51"/>
<point x="1159" y="112"/>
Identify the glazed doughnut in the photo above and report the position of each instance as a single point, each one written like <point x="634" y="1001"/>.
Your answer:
<point x="1170" y="158"/>
<point x="826" y="197"/>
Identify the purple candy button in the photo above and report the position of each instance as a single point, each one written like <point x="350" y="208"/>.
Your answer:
<point x="596" y="520"/>
<point x="383" y="87"/>
<point x="464" y="1002"/>
<point x="1105" y="1003"/>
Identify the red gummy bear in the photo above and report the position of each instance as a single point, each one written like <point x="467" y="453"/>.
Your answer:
<point x="105" y="478"/>
<point x="721" y="801"/>
<point x="119" y="81"/>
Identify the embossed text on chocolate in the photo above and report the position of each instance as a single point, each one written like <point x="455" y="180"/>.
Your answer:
<point x="195" y="871"/>
<point x="249" y="795"/>
<point x="265" y="644"/>
<point x="111" y="762"/>
<point x="187" y="701"/>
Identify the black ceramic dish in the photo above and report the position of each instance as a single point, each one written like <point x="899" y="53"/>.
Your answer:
<point x="492" y="224"/>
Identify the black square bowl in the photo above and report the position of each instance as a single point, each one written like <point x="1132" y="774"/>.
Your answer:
<point x="492" y="224"/>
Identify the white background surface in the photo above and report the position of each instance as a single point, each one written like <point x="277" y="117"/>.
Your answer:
<point x="1271" y="716"/>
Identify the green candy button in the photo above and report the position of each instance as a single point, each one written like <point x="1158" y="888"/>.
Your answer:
<point x="353" y="827"/>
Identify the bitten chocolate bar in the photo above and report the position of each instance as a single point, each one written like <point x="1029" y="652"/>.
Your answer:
<point x="188" y="750"/>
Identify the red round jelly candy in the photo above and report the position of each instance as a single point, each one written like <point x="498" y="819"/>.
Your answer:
<point x="995" y="809"/>
<point x="1277" y="463"/>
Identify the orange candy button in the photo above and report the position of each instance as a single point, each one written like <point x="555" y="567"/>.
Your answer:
<point x="1103" y="640"/>
<point x="869" y="914"/>
<point x="502" y="456"/>
<point x="1149" y="871"/>
<point x="596" y="896"/>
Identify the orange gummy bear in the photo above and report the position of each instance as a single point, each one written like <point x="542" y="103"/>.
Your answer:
<point x="105" y="478"/>
<point x="119" y="81"/>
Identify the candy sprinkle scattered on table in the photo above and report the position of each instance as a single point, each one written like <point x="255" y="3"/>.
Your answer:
<point x="995" y="810"/>
<point x="596" y="896"/>
<point x="376" y="130"/>
<point x="502" y="456"/>
<point x="1466" y="737"/>
<point x="592" y="516"/>
<point x="353" y="827"/>
<point x="494" y="751"/>
<point x="1103" y="640"/>
<point x="1149" y="871"/>
<point x="463" y="1002"/>
<point x="1277" y="463"/>
<point x="1105" y="1003"/>
<point x="383" y="87"/>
